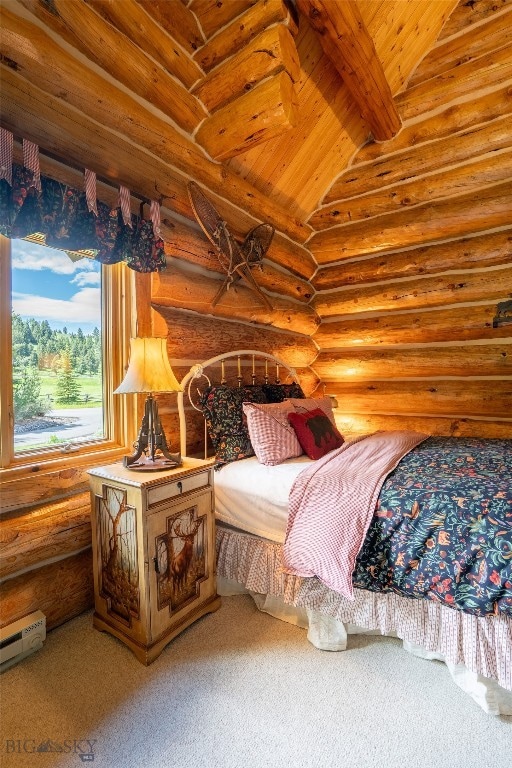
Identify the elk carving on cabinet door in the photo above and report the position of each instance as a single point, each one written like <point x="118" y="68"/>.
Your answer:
<point x="180" y="559"/>
<point x="119" y="575"/>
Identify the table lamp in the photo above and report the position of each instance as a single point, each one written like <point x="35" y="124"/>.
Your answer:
<point x="149" y="371"/>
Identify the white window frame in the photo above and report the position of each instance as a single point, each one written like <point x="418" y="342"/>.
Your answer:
<point x="119" y="412"/>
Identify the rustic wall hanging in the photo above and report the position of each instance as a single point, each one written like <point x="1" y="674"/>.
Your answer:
<point x="235" y="258"/>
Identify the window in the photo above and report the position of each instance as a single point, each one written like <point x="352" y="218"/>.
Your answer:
<point x="65" y="325"/>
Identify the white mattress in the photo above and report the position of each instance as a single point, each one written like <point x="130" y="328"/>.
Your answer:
<point x="254" y="497"/>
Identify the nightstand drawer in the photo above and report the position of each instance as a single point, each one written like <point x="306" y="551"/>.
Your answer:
<point x="177" y="488"/>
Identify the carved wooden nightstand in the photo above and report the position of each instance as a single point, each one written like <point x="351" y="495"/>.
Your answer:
<point x="153" y="552"/>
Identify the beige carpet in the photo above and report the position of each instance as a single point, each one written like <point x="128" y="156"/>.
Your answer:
<point x="240" y="688"/>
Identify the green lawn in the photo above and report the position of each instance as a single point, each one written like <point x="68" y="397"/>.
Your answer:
<point x="90" y="390"/>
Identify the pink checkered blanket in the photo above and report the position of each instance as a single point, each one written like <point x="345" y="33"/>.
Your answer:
<point x="331" y="506"/>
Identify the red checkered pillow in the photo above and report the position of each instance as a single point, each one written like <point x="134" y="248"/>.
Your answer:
<point x="316" y="432"/>
<point x="272" y="437"/>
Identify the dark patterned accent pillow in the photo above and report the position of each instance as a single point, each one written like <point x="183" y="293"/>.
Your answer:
<point x="276" y="393"/>
<point x="225" y="420"/>
<point x="315" y="432"/>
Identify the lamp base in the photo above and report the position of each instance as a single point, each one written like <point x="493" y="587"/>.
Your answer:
<point x="151" y="450"/>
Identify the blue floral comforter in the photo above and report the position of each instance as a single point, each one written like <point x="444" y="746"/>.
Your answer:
<point x="442" y="529"/>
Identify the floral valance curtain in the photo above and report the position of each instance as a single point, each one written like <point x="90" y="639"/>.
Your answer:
<point x="62" y="215"/>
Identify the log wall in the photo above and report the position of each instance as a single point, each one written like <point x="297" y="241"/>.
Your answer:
<point x="414" y="243"/>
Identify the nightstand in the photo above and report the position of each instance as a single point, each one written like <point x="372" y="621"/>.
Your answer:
<point x="153" y="538"/>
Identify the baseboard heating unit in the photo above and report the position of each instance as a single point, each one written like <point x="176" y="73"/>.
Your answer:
<point x="21" y="638"/>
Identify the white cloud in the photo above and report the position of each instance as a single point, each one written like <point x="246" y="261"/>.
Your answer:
<point x="27" y="255"/>
<point x="86" y="278"/>
<point x="82" y="307"/>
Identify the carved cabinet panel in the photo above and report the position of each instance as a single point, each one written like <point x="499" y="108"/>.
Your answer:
<point x="153" y="552"/>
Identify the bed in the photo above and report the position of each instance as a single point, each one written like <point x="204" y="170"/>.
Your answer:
<point x="420" y="538"/>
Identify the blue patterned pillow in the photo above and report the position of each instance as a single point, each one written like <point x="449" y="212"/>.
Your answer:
<point x="226" y="422"/>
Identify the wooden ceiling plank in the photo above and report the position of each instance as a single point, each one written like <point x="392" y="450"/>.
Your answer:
<point x="495" y="34"/>
<point x="466" y="14"/>
<point x="259" y="115"/>
<point x="481" y="108"/>
<point x="440" y="220"/>
<point x="346" y="41"/>
<point x="177" y="20"/>
<point x="215" y="14"/>
<point x="463" y="81"/>
<point x="416" y="293"/>
<point x="265" y="56"/>
<point x="131" y="19"/>
<point x="488" y="250"/>
<point x="85" y="30"/>
<point x="405" y="166"/>
<point x="238" y="33"/>
<point x="485" y="170"/>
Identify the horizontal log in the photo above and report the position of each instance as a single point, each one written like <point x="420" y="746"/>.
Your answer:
<point x="404" y="167"/>
<point x="40" y="118"/>
<point x="472" y="252"/>
<point x="472" y="176"/>
<point x="351" y="425"/>
<point x="482" y="108"/>
<point x="348" y="45"/>
<point x="455" y="84"/>
<point x="266" y="55"/>
<point x="44" y="533"/>
<point x="60" y="75"/>
<point x="262" y="113"/>
<point x="206" y="337"/>
<point x="60" y="590"/>
<point x="236" y="34"/>
<point x="466" y="15"/>
<point x="370" y="364"/>
<point x="441" y="220"/>
<point x="492" y="35"/>
<point x="466" y="323"/>
<point x="455" y="398"/>
<point x="130" y="19"/>
<point x="177" y="20"/>
<point x="86" y="31"/>
<point x="182" y="289"/>
<point x="213" y="15"/>
<point x="419" y="293"/>
<point x="186" y="244"/>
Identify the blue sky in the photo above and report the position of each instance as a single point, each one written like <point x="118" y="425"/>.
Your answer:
<point x="47" y="285"/>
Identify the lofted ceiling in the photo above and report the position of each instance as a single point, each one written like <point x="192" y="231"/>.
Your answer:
<point x="246" y="87"/>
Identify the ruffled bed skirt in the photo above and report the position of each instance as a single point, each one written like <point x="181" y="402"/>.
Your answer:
<point x="481" y="645"/>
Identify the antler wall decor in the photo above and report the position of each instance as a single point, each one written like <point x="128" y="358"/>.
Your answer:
<point x="236" y="259"/>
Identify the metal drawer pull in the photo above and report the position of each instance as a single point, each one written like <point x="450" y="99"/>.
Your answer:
<point x="180" y="486"/>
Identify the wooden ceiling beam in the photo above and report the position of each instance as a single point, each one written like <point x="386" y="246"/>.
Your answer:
<point x="177" y="20"/>
<point x="347" y="43"/>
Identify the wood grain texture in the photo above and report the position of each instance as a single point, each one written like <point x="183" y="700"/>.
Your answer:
<point x="86" y="31"/>
<point x="461" y="360"/>
<point x="418" y="293"/>
<point x="466" y="14"/>
<point x="177" y="20"/>
<point x="347" y="43"/>
<point x="483" y="107"/>
<point x="458" y="399"/>
<point x="452" y="323"/>
<point x="482" y="251"/>
<point x="260" y="114"/>
<point x="60" y="590"/>
<point x="41" y="534"/>
<point x="473" y="142"/>
<point x="351" y="425"/>
<point x="269" y="53"/>
<point x="213" y="15"/>
<point x="440" y="220"/>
